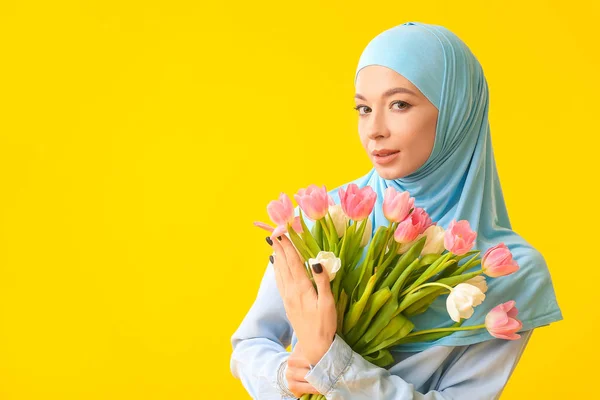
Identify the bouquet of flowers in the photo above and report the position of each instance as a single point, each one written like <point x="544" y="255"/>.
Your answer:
<point x="407" y="265"/>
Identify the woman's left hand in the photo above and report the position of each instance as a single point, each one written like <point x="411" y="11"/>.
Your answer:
<point x="313" y="316"/>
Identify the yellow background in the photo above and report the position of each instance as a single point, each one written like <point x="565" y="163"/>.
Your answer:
<point x="139" y="140"/>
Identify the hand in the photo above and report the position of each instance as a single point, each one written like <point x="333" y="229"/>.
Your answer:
<point x="312" y="316"/>
<point x="297" y="368"/>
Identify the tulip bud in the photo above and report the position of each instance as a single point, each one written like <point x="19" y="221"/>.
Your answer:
<point x="479" y="282"/>
<point x="340" y="220"/>
<point x="502" y="322"/>
<point x="498" y="261"/>
<point x="462" y="299"/>
<point x="329" y="261"/>
<point x="435" y="240"/>
<point x="357" y="203"/>
<point x="414" y="225"/>
<point x="367" y="234"/>
<point x="459" y="237"/>
<point x="281" y="211"/>
<point x="314" y="201"/>
<point x="397" y="205"/>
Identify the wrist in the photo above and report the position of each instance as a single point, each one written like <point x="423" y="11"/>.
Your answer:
<point x="321" y="350"/>
<point x="282" y="381"/>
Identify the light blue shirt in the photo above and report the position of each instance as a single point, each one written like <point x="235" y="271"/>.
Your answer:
<point x="474" y="372"/>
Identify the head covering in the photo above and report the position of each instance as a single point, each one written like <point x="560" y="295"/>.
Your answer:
<point x="459" y="180"/>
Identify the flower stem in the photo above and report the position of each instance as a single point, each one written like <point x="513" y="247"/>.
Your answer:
<point x="429" y="284"/>
<point x="466" y="328"/>
<point x="390" y="230"/>
<point x="324" y="226"/>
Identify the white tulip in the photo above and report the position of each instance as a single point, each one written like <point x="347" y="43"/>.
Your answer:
<point x="478" y="281"/>
<point x="368" y="233"/>
<point x="339" y="218"/>
<point x="434" y="244"/>
<point x="462" y="299"/>
<point x="329" y="261"/>
<point x="435" y="240"/>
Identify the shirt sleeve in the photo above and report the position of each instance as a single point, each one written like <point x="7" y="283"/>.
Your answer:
<point x="480" y="372"/>
<point x="260" y="342"/>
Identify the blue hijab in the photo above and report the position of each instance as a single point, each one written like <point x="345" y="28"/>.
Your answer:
<point x="459" y="180"/>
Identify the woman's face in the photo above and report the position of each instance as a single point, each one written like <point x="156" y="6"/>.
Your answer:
<point x="391" y="117"/>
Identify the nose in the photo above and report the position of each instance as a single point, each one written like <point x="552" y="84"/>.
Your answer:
<point x="376" y="126"/>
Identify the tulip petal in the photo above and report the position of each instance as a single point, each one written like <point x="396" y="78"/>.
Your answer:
<point x="512" y="336"/>
<point x="495" y="319"/>
<point x="281" y="229"/>
<point x="297" y="225"/>
<point x="452" y="311"/>
<point x="264" y="226"/>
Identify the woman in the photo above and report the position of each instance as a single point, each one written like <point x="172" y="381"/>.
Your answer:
<point x="422" y="101"/>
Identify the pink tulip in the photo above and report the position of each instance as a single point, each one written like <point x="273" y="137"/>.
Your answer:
<point x="423" y="219"/>
<point x="296" y="226"/>
<point x="415" y="224"/>
<point x="397" y="205"/>
<point x="314" y="201"/>
<point x="502" y="323"/>
<point x="357" y="203"/>
<point x="459" y="238"/>
<point x="498" y="261"/>
<point x="281" y="213"/>
<point x="406" y="232"/>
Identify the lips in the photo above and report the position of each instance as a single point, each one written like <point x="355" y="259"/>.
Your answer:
<point x="384" y="152"/>
<point x="386" y="159"/>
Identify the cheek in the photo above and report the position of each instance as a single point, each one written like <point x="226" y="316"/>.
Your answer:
<point x="364" y="140"/>
<point x="421" y="137"/>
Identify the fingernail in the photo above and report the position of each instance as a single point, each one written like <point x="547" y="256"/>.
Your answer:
<point x="271" y="259"/>
<point x="279" y="238"/>
<point x="318" y="268"/>
<point x="269" y="241"/>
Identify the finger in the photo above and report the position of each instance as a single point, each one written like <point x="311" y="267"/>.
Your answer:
<point x="298" y="374"/>
<point x="325" y="296"/>
<point x="295" y="263"/>
<point x="300" y="388"/>
<point x="281" y="263"/>
<point x="297" y="360"/>
<point x="278" y="279"/>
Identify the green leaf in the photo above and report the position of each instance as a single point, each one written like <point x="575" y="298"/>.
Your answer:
<point x="434" y="268"/>
<point x="382" y="318"/>
<point x="307" y="236"/>
<point x="381" y="358"/>
<point x="317" y="232"/>
<point x="404" y="261"/>
<point x="472" y="262"/>
<point x="340" y="307"/>
<point x="376" y="301"/>
<point x="357" y="308"/>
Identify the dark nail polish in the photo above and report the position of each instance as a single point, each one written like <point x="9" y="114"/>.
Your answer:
<point x="271" y="259"/>
<point x="318" y="268"/>
<point x="269" y="241"/>
<point x="279" y="238"/>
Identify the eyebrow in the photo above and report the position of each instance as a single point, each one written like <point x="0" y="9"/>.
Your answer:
<point x="389" y="93"/>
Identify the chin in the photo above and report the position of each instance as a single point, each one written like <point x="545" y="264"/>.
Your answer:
<point x="389" y="173"/>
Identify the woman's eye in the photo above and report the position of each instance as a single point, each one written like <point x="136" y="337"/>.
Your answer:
<point x="404" y="105"/>
<point x="358" y="108"/>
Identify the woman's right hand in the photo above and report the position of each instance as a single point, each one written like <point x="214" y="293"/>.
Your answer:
<point x="297" y="368"/>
